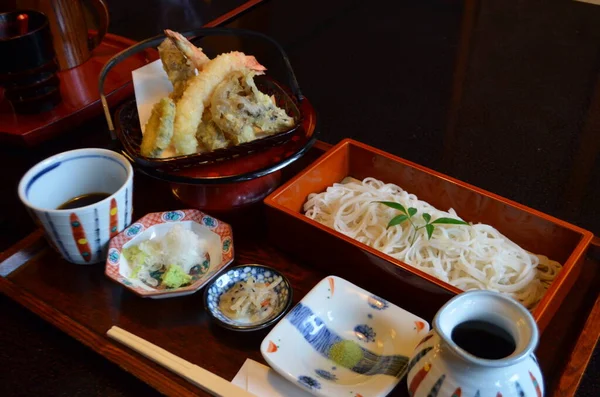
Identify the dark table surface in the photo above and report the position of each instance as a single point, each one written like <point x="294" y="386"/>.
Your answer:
<point x="503" y="94"/>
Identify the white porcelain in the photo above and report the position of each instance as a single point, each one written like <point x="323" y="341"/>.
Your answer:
<point x="440" y="367"/>
<point x="80" y="235"/>
<point x="335" y="309"/>
<point x="227" y="280"/>
<point x="215" y="235"/>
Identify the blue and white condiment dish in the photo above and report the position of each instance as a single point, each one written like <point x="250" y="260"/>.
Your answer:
<point x="227" y="280"/>
<point x="341" y="340"/>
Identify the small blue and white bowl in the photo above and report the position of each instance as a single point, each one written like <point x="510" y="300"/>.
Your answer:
<point x="225" y="281"/>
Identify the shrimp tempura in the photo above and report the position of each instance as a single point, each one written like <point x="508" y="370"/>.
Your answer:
<point x="177" y="67"/>
<point x="197" y="96"/>
<point x="191" y="52"/>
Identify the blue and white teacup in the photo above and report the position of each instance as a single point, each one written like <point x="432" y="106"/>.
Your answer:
<point x="80" y="235"/>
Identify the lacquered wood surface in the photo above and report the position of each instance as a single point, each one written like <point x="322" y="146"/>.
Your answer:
<point x="533" y="230"/>
<point x="81" y="301"/>
<point x="580" y="356"/>
<point x="520" y="98"/>
<point x="79" y="90"/>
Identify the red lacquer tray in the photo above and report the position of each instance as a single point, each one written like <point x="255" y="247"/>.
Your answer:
<point x="82" y="302"/>
<point x="80" y="96"/>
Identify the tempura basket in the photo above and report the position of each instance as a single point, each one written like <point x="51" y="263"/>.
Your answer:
<point x="130" y="135"/>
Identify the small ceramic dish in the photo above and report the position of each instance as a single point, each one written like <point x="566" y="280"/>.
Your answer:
<point x="341" y="340"/>
<point x="219" y="247"/>
<point x="225" y="281"/>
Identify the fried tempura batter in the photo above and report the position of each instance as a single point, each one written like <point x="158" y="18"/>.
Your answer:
<point x="215" y="108"/>
<point x="197" y="96"/>
<point x="158" y="130"/>
<point x="177" y="67"/>
<point x="210" y="136"/>
<point x="242" y="111"/>
<point x="191" y="52"/>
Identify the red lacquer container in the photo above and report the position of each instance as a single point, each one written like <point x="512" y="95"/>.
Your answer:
<point x="397" y="281"/>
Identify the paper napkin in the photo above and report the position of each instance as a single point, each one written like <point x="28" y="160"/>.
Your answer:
<point x="262" y="381"/>
<point x="150" y="84"/>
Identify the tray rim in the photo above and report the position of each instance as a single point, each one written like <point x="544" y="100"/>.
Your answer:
<point x="23" y="251"/>
<point x="45" y="132"/>
<point x="571" y="265"/>
<point x="124" y="357"/>
<point x="150" y="373"/>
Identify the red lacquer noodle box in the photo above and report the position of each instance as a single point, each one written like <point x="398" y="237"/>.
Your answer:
<point x="412" y="289"/>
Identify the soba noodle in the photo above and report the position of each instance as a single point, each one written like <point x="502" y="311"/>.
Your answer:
<point x="467" y="257"/>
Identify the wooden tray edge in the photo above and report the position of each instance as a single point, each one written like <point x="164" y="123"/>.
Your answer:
<point x="223" y="19"/>
<point x="166" y="383"/>
<point x="126" y="359"/>
<point x="170" y="384"/>
<point x="580" y="356"/>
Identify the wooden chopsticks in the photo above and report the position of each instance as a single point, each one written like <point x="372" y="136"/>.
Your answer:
<point x="206" y="380"/>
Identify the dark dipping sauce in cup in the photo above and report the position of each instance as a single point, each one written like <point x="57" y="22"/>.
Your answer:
<point x="483" y="339"/>
<point x="82" y="201"/>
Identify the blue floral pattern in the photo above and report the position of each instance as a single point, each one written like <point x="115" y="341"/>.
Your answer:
<point x="364" y="333"/>
<point x="326" y="375"/>
<point x="309" y="382"/>
<point x="226" y="244"/>
<point x="172" y="216"/>
<point x="113" y="256"/>
<point x="134" y="229"/>
<point x="209" y="222"/>
<point x="321" y="338"/>
<point x="377" y="303"/>
<point x="228" y="279"/>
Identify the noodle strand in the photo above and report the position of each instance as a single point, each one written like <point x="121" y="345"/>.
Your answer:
<point x="467" y="257"/>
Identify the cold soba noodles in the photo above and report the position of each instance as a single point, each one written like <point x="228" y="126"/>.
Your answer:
<point x="475" y="257"/>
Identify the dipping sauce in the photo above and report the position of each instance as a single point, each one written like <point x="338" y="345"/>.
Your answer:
<point x="82" y="201"/>
<point x="483" y="339"/>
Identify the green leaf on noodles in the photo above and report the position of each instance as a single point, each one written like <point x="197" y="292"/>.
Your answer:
<point x="449" y="221"/>
<point x="429" y="229"/>
<point x="396" y="206"/>
<point x="397" y="220"/>
<point x="408" y="214"/>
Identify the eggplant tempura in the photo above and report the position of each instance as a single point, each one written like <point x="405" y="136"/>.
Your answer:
<point x="214" y="104"/>
<point x="176" y="65"/>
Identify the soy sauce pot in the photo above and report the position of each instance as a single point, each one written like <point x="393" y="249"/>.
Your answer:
<point x="481" y="344"/>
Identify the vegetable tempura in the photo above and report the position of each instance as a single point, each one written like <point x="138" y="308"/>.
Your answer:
<point x="215" y="103"/>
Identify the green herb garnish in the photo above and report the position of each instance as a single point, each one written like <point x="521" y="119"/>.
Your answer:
<point x="408" y="215"/>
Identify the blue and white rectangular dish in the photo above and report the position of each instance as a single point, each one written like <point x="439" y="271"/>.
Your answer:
<point x="341" y="340"/>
